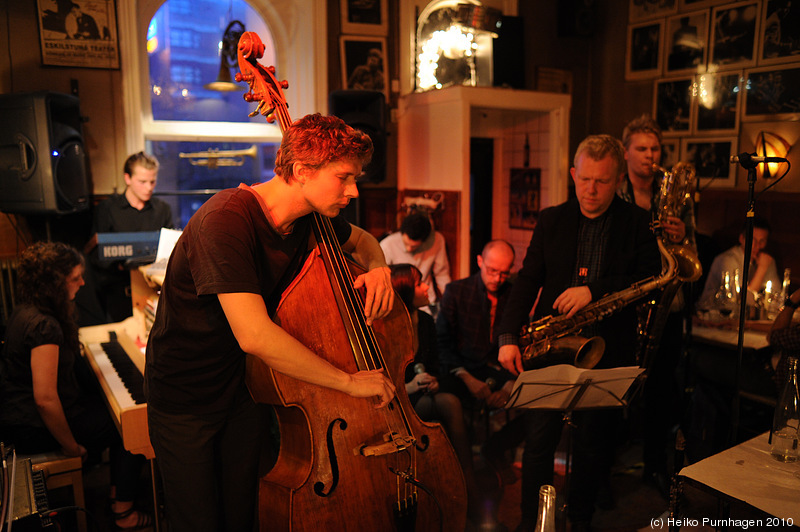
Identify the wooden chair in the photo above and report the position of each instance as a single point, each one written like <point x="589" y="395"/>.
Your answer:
<point x="62" y="471"/>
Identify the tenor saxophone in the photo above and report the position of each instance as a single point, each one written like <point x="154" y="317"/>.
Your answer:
<point x="555" y="339"/>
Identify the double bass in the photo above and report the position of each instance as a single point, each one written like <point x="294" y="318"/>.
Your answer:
<point x="342" y="464"/>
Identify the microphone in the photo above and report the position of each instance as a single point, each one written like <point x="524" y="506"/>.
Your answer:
<point x="491" y="383"/>
<point x="747" y="158"/>
<point x="419" y="368"/>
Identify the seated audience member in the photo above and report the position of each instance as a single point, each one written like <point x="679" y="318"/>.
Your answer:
<point x="762" y="265"/>
<point x="416" y="243"/>
<point x="422" y="384"/>
<point x="466" y="329"/>
<point x="43" y="405"/>
<point x="784" y="337"/>
<point x="134" y="210"/>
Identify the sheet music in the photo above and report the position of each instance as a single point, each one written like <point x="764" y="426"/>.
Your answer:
<point x="166" y="243"/>
<point x="553" y="387"/>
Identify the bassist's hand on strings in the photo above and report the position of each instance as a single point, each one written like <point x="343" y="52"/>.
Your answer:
<point x="380" y="294"/>
<point x="371" y="383"/>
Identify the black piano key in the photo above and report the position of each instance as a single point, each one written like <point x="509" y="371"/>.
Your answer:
<point x="130" y="375"/>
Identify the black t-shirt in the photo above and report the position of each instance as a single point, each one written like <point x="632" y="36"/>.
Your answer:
<point x="194" y="363"/>
<point x="115" y="215"/>
<point x="29" y="328"/>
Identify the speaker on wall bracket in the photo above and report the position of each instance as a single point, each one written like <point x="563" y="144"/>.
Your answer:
<point x="42" y="159"/>
<point x="365" y="110"/>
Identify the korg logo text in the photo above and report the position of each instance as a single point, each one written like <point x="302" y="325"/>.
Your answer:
<point x="118" y="251"/>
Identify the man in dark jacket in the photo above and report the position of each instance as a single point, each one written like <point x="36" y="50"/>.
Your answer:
<point x="581" y="250"/>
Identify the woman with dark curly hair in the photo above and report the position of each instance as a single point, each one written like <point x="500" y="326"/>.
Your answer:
<point x="43" y="406"/>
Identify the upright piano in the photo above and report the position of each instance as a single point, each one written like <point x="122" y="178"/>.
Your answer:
<point x="118" y="364"/>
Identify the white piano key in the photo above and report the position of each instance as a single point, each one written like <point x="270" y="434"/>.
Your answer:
<point x="121" y="393"/>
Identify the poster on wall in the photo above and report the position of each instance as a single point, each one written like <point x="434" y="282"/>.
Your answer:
<point x="523" y="198"/>
<point x="80" y="33"/>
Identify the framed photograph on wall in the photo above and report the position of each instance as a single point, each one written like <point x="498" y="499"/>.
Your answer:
<point x="644" y="51"/>
<point x="647" y="9"/>
<point x="771" y="94"/>
<point x="85" y="36"/>
<point x="780" y="32"/>
<point x="363" y="63"/>
<point x="364" y="17"/>
<point x="670" y="153"/>
<point x="686" y="43"/>
<point x="717" y="111"/>
<point x="688" y="5"/>
<point x="712" y="160"/>
<point x="672" y="105"/>
<point x="524" y="196"/>
<point x="733" y="35"/>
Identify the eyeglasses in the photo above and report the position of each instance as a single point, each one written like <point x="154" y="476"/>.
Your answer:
<point x="491" y="272"/>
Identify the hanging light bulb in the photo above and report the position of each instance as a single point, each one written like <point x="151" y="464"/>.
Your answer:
<point x="227" y="59"/>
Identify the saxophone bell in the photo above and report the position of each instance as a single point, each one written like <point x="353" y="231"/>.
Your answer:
<point x="578" y="351"/>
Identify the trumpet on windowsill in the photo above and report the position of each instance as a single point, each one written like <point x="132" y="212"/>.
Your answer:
<point x="214" y="158"/>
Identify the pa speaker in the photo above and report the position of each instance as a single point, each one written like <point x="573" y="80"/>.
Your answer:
<point x="365" y="110"/>
<point x="507" y="54"/>
<point x="576" y="18"/>
<point x="42" y="159"/>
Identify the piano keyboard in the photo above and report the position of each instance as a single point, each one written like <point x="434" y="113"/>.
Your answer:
<point x="118" y="364"/>
<point x="122" y="375"/>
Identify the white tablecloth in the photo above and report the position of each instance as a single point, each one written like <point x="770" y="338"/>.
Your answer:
<point x="748" y="472"/>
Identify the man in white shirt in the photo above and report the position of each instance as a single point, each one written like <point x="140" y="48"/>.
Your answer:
<point x="417" y="243"/>
<point x="762" y="265"/>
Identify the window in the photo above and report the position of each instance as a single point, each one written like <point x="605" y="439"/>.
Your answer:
<point x="184" y="54"/>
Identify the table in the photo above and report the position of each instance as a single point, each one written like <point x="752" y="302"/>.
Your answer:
<point x="748" y="473"/>
<point x="753" y="339"/>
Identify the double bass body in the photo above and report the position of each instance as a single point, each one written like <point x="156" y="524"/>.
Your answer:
<point x="339" y="467"/>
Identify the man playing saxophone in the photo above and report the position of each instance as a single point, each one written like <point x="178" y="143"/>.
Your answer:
<point x="642" y="185"/>
<point x="581" y="250"/>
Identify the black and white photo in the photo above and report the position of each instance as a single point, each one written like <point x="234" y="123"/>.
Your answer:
<point x="672" y="105"/>
<point x="711" y="159"/>
<point x="718" y="103"/>
<point x="771" y="94"/>
<point x="644" y="50"/>
<point x="780" y="32"/>
<point x="686" y="43"/>
<point x="733" y="35"/>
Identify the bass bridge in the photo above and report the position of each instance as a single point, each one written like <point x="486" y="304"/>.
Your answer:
<point x="392" y="443"/>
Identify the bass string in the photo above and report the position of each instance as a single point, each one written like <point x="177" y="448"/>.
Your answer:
<point x="365" y="344"/>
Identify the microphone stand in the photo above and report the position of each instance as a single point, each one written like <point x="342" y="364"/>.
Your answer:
<point x="750" y="165"/>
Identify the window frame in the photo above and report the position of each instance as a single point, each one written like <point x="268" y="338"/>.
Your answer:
<point x="307" y="79"/>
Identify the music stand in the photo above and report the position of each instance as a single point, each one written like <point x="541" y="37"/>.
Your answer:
<point x="568" y="388"/>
